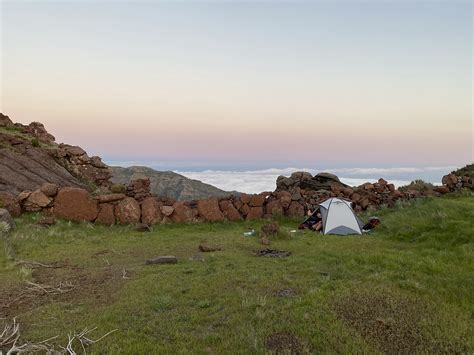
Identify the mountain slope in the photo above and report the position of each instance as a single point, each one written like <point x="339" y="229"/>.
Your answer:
<point x="168" y="183"/>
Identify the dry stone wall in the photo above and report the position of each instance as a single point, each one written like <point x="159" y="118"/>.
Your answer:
<point x="293" y="197"/>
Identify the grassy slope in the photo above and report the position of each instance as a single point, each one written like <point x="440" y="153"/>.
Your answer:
<point x="406" y="287"/>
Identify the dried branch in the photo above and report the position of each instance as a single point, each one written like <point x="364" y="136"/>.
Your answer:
<point x="62" y="287"/>
<point x="10" y="336"/>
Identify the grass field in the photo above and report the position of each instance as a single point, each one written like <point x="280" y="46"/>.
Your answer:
<point x="408" y="287"/>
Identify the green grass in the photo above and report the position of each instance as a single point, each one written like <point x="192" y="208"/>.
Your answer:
<point x="407" y="287"/>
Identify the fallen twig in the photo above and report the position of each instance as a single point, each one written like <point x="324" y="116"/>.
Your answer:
<point x="10" y="336"/>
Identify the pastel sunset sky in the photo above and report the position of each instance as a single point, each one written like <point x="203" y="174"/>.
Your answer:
<point x="370" y="83"/>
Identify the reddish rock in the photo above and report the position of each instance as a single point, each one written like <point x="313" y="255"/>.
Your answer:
<point x="10" y="203"/>
<point x="229" y="211"/>
<point x="451" y="180"/>
<point x="182" y="213"/>
<point x="355" y="197"/>
<point x="167" y="210"/>
<point x="285" y="198"/>
<point x="337" y="188"/>
<point x="347" y="191"/>
<point x="274" y="208"/>
<point x="397" y="194"/>
<point x="151" y="213"/>
<point x="255" y="213"/>
<point x="128" y="211"/>
<point x="209" y="210"/>
<point x="382" y="181"/>
<point x="23" y="195"/>
<point x="75" y="204"/>
<point x="36" y="201"/>
<point x="367" y="186"/>
<point x="237" y="204"/>
<point x="245" y="198"/>
<point x="110" y="198"/>
<point x="49" y="190"/>
<point x="244" y="209"/>
<point x="295" y="210"/>
<point x="391" y="187"/>
<point x="441" y="189"/>
<point x="257" y="201"/>
<point x="106" y="214"/>
<point x="364" y="203"/>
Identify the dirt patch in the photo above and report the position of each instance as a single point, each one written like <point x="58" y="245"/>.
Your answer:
<point x="61" y="284"/>
<point x="387" y="320"/>
<point x="273" y="253"/>
<point x="284" y="343"/>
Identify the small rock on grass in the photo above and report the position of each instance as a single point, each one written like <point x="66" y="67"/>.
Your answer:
<point x="46" y="221"/>
<point x="208" y="248"/>
<point x="167" y="259"/>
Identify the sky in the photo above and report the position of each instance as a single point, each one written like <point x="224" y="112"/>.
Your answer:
<point x="245" y="84"/>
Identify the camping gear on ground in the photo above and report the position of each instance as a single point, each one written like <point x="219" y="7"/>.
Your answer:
<point x="250" y="233"/>
<point x="371" y="224"/>
<point x="339" y="218"/>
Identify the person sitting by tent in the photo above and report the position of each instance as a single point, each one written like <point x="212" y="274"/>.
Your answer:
<point x="371" y="224"/>
<point x="314" y="221"/>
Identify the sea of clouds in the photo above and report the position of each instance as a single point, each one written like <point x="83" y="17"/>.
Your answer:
<point x="254" y="181"/>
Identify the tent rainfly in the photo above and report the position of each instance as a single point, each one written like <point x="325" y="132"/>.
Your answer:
<point x="339" y="218"/>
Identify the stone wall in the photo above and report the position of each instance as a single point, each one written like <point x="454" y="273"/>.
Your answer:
<point x="137" y="205"/>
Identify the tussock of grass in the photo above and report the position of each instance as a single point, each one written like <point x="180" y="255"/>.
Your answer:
<point x="410" y="277"/>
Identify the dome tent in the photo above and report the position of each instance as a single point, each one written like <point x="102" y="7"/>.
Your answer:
<point x="339" y="218"/>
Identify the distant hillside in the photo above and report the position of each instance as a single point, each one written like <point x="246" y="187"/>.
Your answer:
<point x="168" y="183"/>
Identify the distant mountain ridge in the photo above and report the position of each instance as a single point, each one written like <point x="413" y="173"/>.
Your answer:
<point x="168" y="183"/>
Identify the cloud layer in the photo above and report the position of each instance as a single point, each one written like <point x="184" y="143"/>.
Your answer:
<point x="255" y="181"/>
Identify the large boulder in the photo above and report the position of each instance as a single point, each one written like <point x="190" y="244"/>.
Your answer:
<point x="151" y="213"/>
<point x="245" y="198"/>
<point x="257" y="201"/>
<point x="285" y="198"/>
<point x="128" y="211"/>
<point x="182" y="213"/>
<point x="75" y="204"/>
<point x="106" y="214"/>
<point x="255" y="213"/>
<point x="274" y="208"/>
<point x="10" y="202"/>
<point x="229" y="211"/>
<point x="167" y="210"/>
<point x="209" y="210"/>
<point x="6" y="220"/>
<point x="295" y="210"/>
<point x="450" y="180"/>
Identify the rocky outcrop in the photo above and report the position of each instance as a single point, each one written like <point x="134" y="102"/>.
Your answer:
<point x="304" y="180"/>
<point x="30" y="157"/>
